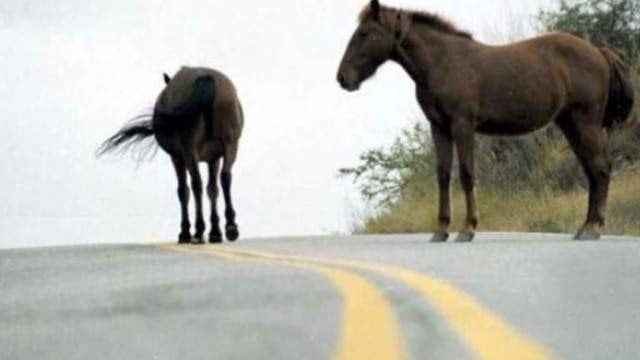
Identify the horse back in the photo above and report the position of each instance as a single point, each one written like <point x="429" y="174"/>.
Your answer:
<point x="578" y="63"/>
<point x="181" y="87"/>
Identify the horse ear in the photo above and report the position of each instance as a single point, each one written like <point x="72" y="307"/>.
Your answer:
<point x="167" y="78"/>
<point x="375" y="7"/>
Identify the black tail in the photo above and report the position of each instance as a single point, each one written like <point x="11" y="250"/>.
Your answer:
<point x="621" y="93"/>
<point x="164" y="121"/>
<point x="135" y="132"/>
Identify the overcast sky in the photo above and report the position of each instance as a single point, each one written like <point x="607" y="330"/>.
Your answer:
<point x="72" y="72"/>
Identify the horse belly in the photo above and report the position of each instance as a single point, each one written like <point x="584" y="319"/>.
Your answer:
<point x="513" y="126"/>
<point x="518" y="114"/>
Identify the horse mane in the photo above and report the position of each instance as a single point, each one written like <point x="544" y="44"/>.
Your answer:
<point x="418" y="17"/>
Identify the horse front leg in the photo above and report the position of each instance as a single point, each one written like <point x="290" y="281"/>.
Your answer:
<point x="464" y="137"/>
<point x="444" y="151"/>
<point x="183" y="196"/>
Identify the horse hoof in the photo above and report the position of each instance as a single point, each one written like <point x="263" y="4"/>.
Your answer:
<point x="587" y="235"/>
<point x="197" y="241"/>
<point x="184" y="238"/>
<point x="215" y="238"/>
<point x="465" y="237"/>
<point x="440" y="237"/>
<point x="232" y="232"/>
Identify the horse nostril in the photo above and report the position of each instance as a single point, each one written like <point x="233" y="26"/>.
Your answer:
<point x="341" y="79"/>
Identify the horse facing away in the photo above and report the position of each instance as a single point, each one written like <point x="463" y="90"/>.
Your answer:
<point x="465" y="87"/>
<point x="197" y="118"/>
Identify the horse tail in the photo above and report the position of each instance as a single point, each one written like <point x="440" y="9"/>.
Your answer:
<point x="621" y="93"/>
<point x="133" y="133"/>
<point x="186" y="116"/>
<point x="164" y="121"/>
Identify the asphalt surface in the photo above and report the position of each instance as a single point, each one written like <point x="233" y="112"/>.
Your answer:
<point x="505" y="296"/>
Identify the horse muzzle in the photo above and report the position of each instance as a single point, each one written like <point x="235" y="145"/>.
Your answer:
<point x="347" y="81"/>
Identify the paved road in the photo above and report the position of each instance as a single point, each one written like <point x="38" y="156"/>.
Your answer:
<point x="502" y="297"/>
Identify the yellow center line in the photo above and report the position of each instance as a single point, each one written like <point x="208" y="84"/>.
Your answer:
<point x="368" y="326"/>
<point x="194" y="249"/>
<point x="488" y="336"/>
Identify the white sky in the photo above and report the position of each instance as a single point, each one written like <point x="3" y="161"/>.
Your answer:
<point x="72" y="72"/>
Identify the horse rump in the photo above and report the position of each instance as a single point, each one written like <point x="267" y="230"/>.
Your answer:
<point x="185" y="116"/>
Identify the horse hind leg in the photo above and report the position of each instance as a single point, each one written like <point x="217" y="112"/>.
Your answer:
<point x="183" y="195"/>
<point x="196" y="187"/>
<point x="586" y="136"/>
<point x="215" y="236"/>
<point x="231" y="229"/>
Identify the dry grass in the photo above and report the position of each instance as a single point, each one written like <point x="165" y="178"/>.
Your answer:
<point x="528" y="211"/>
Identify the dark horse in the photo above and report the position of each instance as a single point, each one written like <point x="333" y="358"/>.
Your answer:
<point x="197" y="118"/>
<point x="466" y="87"/>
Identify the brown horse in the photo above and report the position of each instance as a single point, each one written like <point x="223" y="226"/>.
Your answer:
<point x="197" y="118"/>
<point x="466" y="87"/>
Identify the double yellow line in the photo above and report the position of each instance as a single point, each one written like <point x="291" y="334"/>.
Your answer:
<point x="369" y="328"/>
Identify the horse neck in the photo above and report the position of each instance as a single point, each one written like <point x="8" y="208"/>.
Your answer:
<point x="424" y="50"/>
